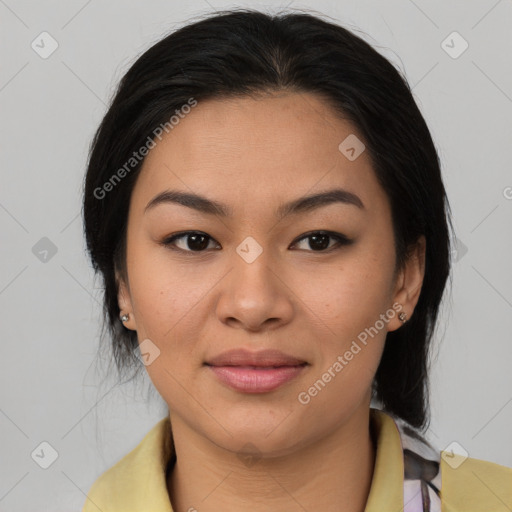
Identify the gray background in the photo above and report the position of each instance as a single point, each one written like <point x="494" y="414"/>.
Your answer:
<point x="52" y="389"/>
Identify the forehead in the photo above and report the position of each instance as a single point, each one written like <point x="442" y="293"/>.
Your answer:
<point x="270" y="148"/>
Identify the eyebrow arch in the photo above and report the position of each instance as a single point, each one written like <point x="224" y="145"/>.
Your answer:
<point x="302" y="204"/>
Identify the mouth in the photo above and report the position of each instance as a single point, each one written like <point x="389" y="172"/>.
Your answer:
<point x="255" y="372"/>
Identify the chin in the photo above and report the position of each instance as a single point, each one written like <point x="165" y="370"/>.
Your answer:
<point x="259" y="445"/>
<point x="254" y="433"/>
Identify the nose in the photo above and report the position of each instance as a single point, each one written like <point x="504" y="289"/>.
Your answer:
<point x="255" y="295"/>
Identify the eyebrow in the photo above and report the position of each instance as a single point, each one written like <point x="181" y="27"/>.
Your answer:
<point x="300" y="205"/>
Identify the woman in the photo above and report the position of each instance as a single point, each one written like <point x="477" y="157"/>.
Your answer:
<point x="265" y="205"/>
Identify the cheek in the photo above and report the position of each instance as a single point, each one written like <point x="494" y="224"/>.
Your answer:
<point x="352" y="297"/>
<point x="172" y="304"/>
<point x="348" y="357"/>
<point x="350" y="303"/>
<point x="162" y="292"/>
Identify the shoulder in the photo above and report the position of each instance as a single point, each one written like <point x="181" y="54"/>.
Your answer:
<point x="137" y="477"/>
<point x="474" y="485"/>
<point x="456" y="483"/>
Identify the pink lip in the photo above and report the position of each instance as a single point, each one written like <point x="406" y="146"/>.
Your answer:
<point x="255" y="372"/>
<point x="252" y="379"/>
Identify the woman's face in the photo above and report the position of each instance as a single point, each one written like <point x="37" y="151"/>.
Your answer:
<point x="253" y="280"/>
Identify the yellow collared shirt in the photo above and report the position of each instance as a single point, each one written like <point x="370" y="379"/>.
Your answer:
<point x="137" y="483"/>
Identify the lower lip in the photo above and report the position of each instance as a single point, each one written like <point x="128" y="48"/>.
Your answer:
<point x="249" y="379"/>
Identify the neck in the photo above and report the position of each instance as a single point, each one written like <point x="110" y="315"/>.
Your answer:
<point x="334" y="470"/>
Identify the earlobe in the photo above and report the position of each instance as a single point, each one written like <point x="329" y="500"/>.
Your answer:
<point x="125" y="305"/>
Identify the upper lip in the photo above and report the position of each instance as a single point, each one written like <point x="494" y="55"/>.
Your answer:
<point x="241" y="357"/>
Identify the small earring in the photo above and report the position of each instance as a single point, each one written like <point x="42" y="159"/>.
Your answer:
<point x="124" y="318"/>
<point x="402" y="317"/>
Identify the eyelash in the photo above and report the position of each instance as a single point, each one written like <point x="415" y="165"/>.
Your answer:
<point x="341" y="240"/>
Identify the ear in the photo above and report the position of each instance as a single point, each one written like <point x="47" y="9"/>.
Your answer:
<point x="409" y="283"/>
<point x="125" y="303"/>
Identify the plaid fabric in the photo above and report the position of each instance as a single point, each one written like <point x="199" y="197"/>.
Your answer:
<point x="422" y="475"/>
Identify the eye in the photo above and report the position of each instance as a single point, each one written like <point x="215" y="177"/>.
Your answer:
<point x="319" y="240"/>
<point x="194" y="241"/>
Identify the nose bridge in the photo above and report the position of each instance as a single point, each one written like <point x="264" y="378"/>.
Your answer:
<point x="254" y="292"/>
<point x="253" y="266"/>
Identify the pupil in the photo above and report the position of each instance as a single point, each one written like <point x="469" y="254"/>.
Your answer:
<point x="194" y="246"/>
<point x="324" y="243"/>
